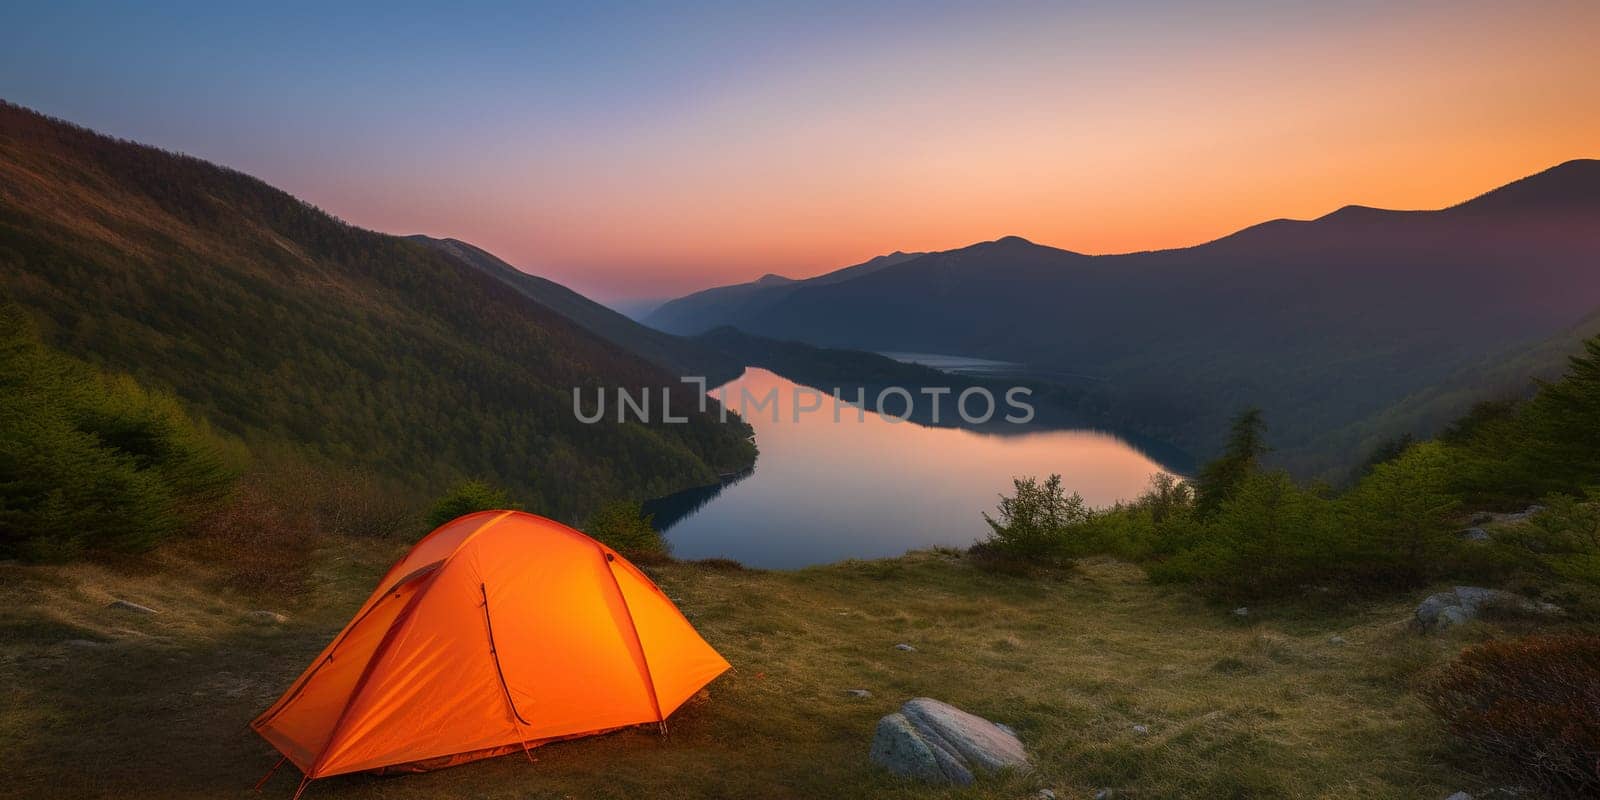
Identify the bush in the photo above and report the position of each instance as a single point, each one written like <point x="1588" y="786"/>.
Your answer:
<point x="465" y="498"/>
<point x="1035" y="523"/>
<point x="91" y="463"/>
<point x="1562" y="541"/>
<point x="623" y="526"/>
<point x="1533" y="705"/>
<point x="1398" y="526"/>
<point x="1268" y="536"/>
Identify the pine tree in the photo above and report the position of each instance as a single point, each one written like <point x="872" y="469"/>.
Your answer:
<point x="1219" y="479"/>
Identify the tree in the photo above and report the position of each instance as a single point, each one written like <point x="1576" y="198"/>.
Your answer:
<point x="1563" y="425"/>
<point x="1033" y="523"/>
<point x="1241" y="458"/>
<point x="1398" y="517"/>
<point x="624" y="526"/>
<point x="467" y="497"/>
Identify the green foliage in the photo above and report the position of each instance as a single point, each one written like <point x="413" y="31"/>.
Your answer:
<point x="1036" y="522"/>
<point x="94" y="463"/>
<point x="1219" y="479"/>
<point x="623" y="526"/>
<point x="1532" y="705"/>
<point x="1267" y="537"/>
<point x="1397" y="520"/>
<point x="1560" y="542"/>
<point x="466" y="498"/>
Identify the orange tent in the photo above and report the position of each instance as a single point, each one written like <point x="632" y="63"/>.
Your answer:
<point x="499" y="631"/>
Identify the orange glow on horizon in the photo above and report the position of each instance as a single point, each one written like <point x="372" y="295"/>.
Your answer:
<point x="1059" y="135"/>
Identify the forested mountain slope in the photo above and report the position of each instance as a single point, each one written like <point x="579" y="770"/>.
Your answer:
<point x="294" y="330"/>
<point x="672" y="353"/>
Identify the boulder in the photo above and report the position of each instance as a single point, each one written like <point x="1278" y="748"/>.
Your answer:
<point x="266" y="617"/>
<point x="1464" y="603"/>
<point x="939" y="743"/>
<point x="1473" y="535"/>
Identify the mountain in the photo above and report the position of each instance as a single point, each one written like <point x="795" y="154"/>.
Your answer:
<point x="674" y="354"/>
<point x="732" y="305"/>
<point x="1323" y="322"/>
<point x="297" y="332"/>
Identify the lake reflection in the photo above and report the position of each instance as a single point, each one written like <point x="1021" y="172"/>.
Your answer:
<point x="867" y="488"/>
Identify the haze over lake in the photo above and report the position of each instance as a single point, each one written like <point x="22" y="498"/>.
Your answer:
<point x="869" y="487"/>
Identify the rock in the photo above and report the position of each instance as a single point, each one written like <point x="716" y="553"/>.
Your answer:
<point x="939" y="743"/>
<point x="1105" y="794"/>
<point x="1481" y="518"/>
<point x="1464" y="603"/>
<point x="1336" y="639"/>
<point x="1459" y="796"/>
<point x="83" y="644"/>
<point x="1241" y="611"/>
<point x="1141" y="729"/>
<point x="863" y="693"/>
<point x="124" y="605"/>
<point x="1473" y="535"/>
<point x="266" y="617"/>
<point x="903" y="647"/>
<point x="1045" y="794"/>
<point x="1006" y="728"/>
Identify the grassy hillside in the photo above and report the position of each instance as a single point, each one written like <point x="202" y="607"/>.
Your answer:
<point x="294" y="331"/>
<point x="101" y="703"/>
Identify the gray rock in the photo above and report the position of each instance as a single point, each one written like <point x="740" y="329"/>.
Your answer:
<point x="1141" y="729"/>
<point x="1006" y="728"/>
<point x="1459" y="796"/>
<point x="83" y="644"/>
<point x="1105" y="794"/>
<point x="124" y="605"/>
<point x="1336" y="639"/>
<point x="1464" y="603"/>
<point x="939" y="743"/>
<point x="1045" y="794"/>
<point x="863" y="693"/>
<point x="266" y="617"/>
<point x="1473" y="535"/>
<point x="906" y="648"/>
<point x="1241" y="611"/>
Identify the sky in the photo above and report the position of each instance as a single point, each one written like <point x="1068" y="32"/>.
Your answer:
<point x="646" y="150"/>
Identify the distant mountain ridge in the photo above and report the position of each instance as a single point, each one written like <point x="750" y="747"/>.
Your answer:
<point x="1322" y="322"/>
<point x="300" y="333"/>
<point x="685" y="315"/>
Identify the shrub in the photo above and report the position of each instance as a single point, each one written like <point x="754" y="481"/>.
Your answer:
<point x="1268" y="536"/>
<point x="1563" y="540"/>
<point x="91" y="463"/>
<point x="1397" y="520"/>
<point x="1034" y="523"/>
<point x="623" y="526"/>
<point x="1532" y="704"/>
<point x="465" y="498"/>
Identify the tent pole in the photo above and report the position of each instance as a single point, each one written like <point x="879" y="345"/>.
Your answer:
<point x="304" y="782"/>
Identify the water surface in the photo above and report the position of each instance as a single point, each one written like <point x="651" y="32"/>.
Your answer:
<point x="869" y="487"/>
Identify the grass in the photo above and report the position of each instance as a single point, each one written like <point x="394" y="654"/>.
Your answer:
<point x="1264" y="706"/>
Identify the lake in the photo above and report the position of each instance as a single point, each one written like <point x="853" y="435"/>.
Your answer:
<point x="870" y="487"/>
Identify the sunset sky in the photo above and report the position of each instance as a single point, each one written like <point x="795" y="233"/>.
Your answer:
<point x="645" y="152"/>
